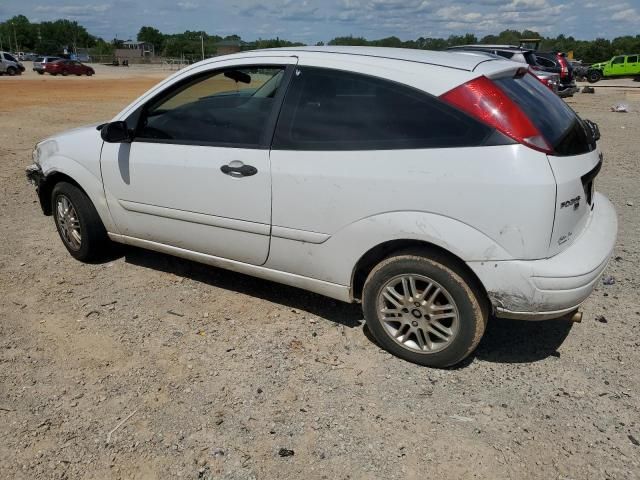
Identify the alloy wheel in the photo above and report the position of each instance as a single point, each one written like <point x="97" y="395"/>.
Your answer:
<point x="418" y="313"/>
<point x="68" y="222"/>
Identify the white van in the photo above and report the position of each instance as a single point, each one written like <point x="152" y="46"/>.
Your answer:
<point x="10" y="64"/>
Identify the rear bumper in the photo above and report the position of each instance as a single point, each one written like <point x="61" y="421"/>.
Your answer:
<point x="553" y="287"/>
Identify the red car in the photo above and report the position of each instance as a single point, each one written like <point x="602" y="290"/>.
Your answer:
<point x="66" y="67"/>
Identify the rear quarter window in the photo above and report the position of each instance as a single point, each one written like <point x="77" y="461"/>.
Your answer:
<point x="328" y="109"/>
<point x="545" y="62"/>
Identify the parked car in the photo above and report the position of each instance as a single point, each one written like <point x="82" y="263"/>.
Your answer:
<point x="434" y="188"/>
<point x="560" y="66"/>
<point x="40" y="62"/>
<point x="10" y="64"/>
<point x="580" y="70"/>
<point x="68" y="67"/>
<point x="557" y="62"/>
<point x="618" y="66"/>
<point x="551" y="80"/>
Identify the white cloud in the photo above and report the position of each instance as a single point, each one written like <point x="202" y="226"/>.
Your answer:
<point x="73" y="10"/>
<point x="187" y="5"/>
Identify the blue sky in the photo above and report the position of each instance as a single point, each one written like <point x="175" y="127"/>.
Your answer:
<point x="313" y="20"/>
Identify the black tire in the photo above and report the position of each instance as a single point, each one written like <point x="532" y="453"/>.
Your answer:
<point x="594" y="76"/>
<point x="89" y="74"/>
<point x="468" y="303"/>
<point x="40" y="72"/>
<point x="94" y="240"/>
<point x="11" y="71"/>
<point x="64" y="73"/>
<point x="54" y="74"/>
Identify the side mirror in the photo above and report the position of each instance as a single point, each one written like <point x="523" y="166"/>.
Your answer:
<point x="115" y="132"/>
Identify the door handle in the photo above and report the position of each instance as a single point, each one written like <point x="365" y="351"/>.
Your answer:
<point x="238" y="169"/>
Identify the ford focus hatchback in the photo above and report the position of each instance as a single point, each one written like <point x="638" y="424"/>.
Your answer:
<point x="436" y="188"/>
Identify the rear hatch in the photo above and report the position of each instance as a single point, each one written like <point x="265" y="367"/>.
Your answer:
<point x="574" y="157"/>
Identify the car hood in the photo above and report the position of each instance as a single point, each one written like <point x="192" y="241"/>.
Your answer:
<point x="80" y="146"/>
<point x="599" y="65"/>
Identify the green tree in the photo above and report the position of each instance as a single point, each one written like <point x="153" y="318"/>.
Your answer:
<point x="153" y="36"/>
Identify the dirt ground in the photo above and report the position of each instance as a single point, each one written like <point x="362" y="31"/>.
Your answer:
<point x="148" y="366"/>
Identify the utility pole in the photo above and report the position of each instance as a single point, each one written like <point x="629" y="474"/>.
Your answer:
<point x="15" y="39"/>
<point x="202" y="43"/>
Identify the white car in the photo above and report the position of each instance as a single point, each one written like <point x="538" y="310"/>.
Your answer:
<point x="436" y="188"/>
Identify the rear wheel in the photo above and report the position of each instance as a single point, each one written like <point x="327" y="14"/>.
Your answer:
<point x="594" y="75"/>
<point x="64" y="73"/>
<point x="78" y="223"/>
<point x="11" y="71"/>
<point x="40" y="72"/>
<point x="423" y="310"/>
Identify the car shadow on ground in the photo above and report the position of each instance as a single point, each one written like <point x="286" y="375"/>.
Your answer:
<point x="349" y="315"/>
<point x="519" y="341"/>
<point x="504" y="341"/>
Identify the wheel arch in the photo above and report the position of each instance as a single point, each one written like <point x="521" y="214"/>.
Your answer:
<point x="46" y="188"/>
<point x="375" y="255"/>
<point x="61" y="168"/>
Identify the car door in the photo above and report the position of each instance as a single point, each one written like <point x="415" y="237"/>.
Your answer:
<point x="617" y="66"/>
<point x="632" y="66"/>
<point x="197" y="173"/>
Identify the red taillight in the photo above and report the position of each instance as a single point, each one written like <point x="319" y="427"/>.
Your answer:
<point x="485" y="101"/>
<point x="564" y="66"/>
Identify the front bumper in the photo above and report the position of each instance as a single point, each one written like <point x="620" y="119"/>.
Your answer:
<point x="552" y="287"/>
<point x="34" y="175"/>
<point x="37" y="179"/>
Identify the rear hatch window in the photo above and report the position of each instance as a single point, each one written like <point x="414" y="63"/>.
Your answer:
<point x="557" y="122"/>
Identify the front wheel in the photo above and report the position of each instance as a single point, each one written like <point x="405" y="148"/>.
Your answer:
<point x="78" y="223"/>
<point x="65" y="73"/>
<point x="423" y="310"/>
<point x="594" y="75"/>
<point x="11" y="71"/>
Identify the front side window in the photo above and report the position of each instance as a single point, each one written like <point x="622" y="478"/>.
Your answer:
<point x="335" y="110"/>
<point x="9" y="57"/>
<point x="229" y="107"/>
<point x="618" y="60"/>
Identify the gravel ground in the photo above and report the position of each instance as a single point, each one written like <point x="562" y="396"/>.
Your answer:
<point x="148" y="366"/>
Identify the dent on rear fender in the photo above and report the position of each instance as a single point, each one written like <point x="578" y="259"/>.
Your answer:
<point x="516" y="301"/>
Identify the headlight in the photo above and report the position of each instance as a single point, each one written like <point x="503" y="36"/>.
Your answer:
<point x="44" y="150"/>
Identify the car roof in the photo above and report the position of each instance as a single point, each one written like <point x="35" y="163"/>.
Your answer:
<point x="443" y="59"/>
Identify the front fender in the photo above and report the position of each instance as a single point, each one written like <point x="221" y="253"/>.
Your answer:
<point x="88" y="180"/>
<point x="334" y="260"/>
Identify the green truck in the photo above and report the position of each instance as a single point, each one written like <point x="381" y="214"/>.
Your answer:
<point x="618" y="66"/>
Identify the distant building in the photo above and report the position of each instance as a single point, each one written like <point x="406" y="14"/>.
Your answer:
<point x="225" y="47"/>
<point x="131" y="50"/>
